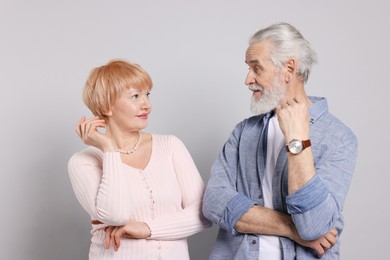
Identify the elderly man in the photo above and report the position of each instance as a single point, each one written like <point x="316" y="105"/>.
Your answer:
<point x="278" y="187"/>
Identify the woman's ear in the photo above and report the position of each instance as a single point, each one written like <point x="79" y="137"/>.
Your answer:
<point x="108" y="113"/>
<point x="291" y="69"/>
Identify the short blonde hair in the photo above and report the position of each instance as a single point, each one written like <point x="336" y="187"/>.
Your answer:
<point x="106" y="83"/>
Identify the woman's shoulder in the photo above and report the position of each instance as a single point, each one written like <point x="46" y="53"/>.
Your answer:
<point x="89" y="155"/>
<point x="168" y="142"/>
<point x="166" y="138"/>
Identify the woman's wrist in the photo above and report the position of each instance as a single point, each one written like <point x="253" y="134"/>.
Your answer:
<point x="148" y="230"/>
<point x="108" y="148"/>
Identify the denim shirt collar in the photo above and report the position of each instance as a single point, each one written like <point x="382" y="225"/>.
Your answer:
<point x="319" y="107"/>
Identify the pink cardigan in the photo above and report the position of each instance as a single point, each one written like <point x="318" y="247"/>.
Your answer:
<point x="166" y="195"/>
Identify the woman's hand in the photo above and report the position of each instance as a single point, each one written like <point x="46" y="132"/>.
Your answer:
<point x="322" y="244"/>
<point x="132" y="230"/>
<point x="87" y="129"/>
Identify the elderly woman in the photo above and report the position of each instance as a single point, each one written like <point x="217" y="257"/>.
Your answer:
<point x="142" y="191"/>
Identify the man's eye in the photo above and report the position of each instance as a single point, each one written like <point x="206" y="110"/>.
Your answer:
<point x="257" y="69"/>
<point x="136" y="96"/>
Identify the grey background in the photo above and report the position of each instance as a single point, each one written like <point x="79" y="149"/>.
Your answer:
<point x="194" y="51"/>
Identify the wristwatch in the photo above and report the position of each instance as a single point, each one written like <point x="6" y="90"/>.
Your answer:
<point x="296" y="146"/>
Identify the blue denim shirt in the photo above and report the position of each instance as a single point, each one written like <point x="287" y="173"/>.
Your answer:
<point x="235" y="185"/>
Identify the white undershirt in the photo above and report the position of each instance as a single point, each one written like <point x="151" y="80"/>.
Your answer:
<point x="270" y="247"/>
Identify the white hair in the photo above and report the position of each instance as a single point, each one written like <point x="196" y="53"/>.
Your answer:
<point x="287" y="42"/>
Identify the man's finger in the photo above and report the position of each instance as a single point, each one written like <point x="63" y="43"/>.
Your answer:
<point x="319" y="250"/>
<point x="326" y="244"/>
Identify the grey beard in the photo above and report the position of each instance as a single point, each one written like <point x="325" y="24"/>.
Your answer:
<point x="269" y="98"/>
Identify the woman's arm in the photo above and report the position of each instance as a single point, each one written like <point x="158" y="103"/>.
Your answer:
<point x="189" y="220"/>
<point x="97" y="182"/>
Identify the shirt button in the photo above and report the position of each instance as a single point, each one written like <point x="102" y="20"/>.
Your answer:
<point x="253" y="242"/>
<point x="260" y="196"/>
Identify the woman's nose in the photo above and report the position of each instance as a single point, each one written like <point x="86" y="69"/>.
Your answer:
<point x="146" y="102"/>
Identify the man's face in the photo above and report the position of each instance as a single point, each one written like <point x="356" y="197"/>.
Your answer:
<point x="263" y="78"/>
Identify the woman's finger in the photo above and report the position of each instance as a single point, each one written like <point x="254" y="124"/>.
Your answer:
<point x="78" y="126"/>
<point x="108" y="236"/>
<point x="117" y="237"/>
<point x="113" y="238"/>
<point x="91" y="126"/>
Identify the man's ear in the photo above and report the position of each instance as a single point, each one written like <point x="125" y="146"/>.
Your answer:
<point x="291" y="69"/>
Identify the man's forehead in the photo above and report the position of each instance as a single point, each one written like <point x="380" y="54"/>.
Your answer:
<point x="256" y="53"/>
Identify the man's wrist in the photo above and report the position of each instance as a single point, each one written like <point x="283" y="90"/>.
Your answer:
<point x="296" y="146"/>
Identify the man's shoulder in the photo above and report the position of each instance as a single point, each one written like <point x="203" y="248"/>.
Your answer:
<point x="331" y="125"/>
<point x="250" y="121"/>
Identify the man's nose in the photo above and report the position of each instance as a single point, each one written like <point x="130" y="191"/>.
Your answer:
<point x="250" y="79"/>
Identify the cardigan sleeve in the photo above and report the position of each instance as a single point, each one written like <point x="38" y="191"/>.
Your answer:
<point x="97" y="181"/>
<point x="189" y="220"/>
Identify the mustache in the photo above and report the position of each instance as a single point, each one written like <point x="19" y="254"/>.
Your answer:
<point x="254" y="87"/>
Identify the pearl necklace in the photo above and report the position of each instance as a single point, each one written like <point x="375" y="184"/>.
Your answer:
<point x="135" y="147"/>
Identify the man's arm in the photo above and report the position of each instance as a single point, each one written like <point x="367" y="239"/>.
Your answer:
<point x="317" y="193"/>
<point x="264" y="221"/>
<point x="294" y="121"/>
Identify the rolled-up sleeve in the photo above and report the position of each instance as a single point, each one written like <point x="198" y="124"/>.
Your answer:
<point x="222" y="204"/>
<point x="317" y="206"/>
<point x="308" y="197"/>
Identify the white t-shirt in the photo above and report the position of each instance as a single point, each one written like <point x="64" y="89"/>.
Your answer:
<point x="270" y="247"/>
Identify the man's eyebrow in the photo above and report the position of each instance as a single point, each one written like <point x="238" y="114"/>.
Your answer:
<point x="253" y="62"/>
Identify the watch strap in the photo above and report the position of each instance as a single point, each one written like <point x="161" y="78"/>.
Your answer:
<point x="305" y="144"/>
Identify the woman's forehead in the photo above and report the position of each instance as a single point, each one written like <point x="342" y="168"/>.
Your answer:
<point x="140" y="89"/>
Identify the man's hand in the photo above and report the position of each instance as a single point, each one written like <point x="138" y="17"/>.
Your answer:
<point x="265" y="221"/>
<point x="294" y="119"/>
<point x="320" y="245"/>
<point x="132" y="230"/>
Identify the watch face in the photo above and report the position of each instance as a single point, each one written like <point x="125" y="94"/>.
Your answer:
<point x="295" y="146"/>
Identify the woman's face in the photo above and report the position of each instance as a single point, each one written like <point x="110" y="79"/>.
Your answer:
<point x="131" y="110"/>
